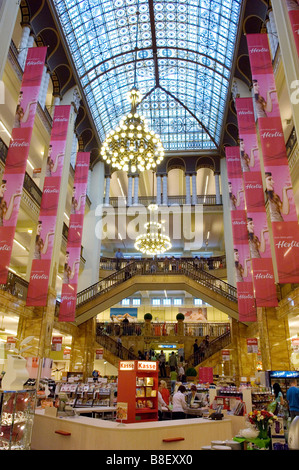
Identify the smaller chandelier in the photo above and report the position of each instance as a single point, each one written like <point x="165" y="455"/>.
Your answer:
<point x="132" y="146"/>
<point x="153" y="242"/>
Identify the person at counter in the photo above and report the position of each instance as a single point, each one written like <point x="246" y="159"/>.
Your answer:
<point x="179" y="405"/>
<point x="192" y="396"/>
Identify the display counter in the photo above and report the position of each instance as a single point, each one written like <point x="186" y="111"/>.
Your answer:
<point x="83" y="433"/>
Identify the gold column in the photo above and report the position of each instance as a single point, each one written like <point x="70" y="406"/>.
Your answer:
<point x="83" y="348"/>
<point x="274" y="343"/>
<point x="39" y="325"/>
<point x="243" y="364"/>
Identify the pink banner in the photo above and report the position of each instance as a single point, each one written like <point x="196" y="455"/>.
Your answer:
<point x="45" y="231"/>
<point x="73" y="251"/>
<point x="17" y="155"/>
<point x="242" y="260"/>
<point x="293" y="9"/>
<point x="257" y="225"/>
<point x="279" y="191"/>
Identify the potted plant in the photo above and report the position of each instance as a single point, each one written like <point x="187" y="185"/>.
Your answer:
<point x="191" y="374"/>
<point x="180" y="316"/>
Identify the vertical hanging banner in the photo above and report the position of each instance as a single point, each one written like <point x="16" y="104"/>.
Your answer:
<point x="257" y="224"/>
<point x="45" y="231"/>
<point x="243" y="273"/>
<point x="279" y="191"/>
<point x="73" y="251"/>
<point x="17" y="155"/>
<point x="293" y="10"/>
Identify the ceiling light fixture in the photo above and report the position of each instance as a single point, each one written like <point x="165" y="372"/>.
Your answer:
<point x="132" y="146"/>
<point x="152" y="242"/>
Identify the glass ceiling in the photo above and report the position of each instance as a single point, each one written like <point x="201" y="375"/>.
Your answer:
<point x="184" y="59"/>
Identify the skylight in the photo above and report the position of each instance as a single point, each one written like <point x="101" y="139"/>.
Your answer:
<point x="184" y="60"/>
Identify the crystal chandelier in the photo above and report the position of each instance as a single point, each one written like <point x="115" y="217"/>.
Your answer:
<point x="132" y="146"/>
<point x="153" y="242"/>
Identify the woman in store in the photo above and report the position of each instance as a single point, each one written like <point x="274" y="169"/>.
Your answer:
<point x="256" y="245"/>
<point x="161" y="402"/>
<point x="262" y="106"/>
<point x="179" y="405"/>
<point x="278" y="207"/>
<point x="6" y="209"/>
<point x="165" y="392"/>
<point x="278" y="396"/>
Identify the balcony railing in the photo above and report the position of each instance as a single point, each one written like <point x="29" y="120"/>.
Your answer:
<point x="210" y="263"/>
<point x="206" y="200"/>
<point x="162" y="329"/>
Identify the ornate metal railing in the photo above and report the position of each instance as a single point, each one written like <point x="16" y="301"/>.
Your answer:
<point x="150" y="267"/>
<point x="208" y="200"/>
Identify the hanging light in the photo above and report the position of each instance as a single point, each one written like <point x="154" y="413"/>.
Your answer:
<point x="132" y="145"/>
<point x="153" y="242"/>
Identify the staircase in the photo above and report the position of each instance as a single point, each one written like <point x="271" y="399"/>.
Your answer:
<point x="114" y="352"/>
<point x="146" y="275"/>
<point x="214" y="346"/>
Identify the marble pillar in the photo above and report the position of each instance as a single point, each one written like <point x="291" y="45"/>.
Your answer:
<point x="158" y="199"/>
<point x="194" y="189"/>
<point x="165" y="195"/>
<point x="188" y="189"/>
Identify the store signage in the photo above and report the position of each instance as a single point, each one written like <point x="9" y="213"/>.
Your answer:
<point x="126" y="365"/>
<point x="225" y="355"/>
<point x="46" y="226"/>
<point x="73" y="250"/>
<point x="147" y="365"/>
<point x="278" y="186"/>
<point x="242" y="259"/>
<point x="167" y="346"/>
<point x="257" y="225"/>
<point x="15" y="166"/>
<point x="252" y="345"/>
<point x="284" y="374"/>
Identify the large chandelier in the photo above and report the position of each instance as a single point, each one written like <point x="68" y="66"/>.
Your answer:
<point x="132" y="146"/>
<point x="153" y="242"/>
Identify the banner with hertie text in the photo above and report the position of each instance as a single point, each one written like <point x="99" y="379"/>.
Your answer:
<point x="242" y="259"/>
<point x="17" y="155"/>
<point x="46" y="226"/>
<point x="278" y="185"/>
<point x="257" y="224"/>
<point x="73" y="251"/>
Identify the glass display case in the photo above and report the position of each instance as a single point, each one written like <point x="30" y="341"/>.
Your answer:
<point x="16" y="419"/>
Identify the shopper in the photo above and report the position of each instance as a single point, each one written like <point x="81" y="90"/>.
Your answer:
<point x="181" y="373"/>
<point x="293" y="399"/>
<point x="192" y="395"/>
<point x="278" y="395"/>
<point x="161" y="403"/>
<point x="173" y="379"/>
<point x="172" y="361"/>
<point x="179" y="405"/>
<point x="118" y="256"/>
<point x="195" y="353"/>
<point x="162" y="360"/>
<point x="165" y="392"/>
